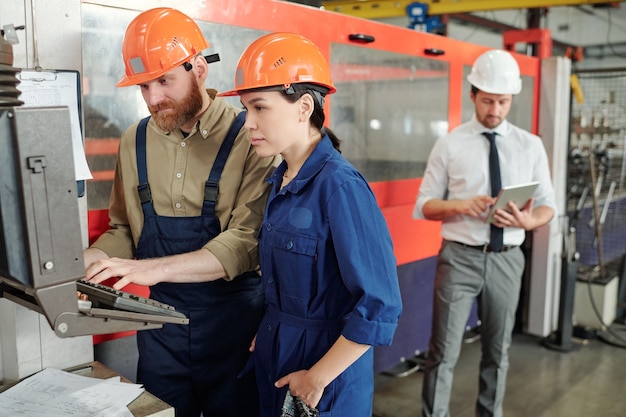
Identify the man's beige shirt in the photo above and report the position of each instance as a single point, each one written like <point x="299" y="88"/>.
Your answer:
<point x="178" y="168"/>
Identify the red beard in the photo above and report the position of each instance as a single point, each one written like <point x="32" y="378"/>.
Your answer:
<point x="183" y="111"/>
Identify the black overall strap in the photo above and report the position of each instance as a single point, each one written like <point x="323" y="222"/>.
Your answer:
<point x="143" y="188"/>
<point x="211" y="185"/>
<point x="211" y="189"/>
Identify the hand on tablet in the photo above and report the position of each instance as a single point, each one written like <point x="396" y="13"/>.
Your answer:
<point x="518" y="194"/>
<point x="516" y="217"/>
<point x="476" y="206"/>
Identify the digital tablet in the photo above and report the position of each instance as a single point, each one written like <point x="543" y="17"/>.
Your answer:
<point x="518" y="194"/>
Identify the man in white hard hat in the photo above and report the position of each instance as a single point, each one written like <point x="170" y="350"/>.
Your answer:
<point x="477" y="260"/>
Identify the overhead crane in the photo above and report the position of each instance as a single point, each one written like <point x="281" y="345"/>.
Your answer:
<point x="377" y="9"/>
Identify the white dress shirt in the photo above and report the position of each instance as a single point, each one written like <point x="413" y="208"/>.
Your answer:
<point x="458" y="169"/>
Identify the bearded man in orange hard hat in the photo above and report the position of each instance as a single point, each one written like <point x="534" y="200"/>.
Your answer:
<point x="186" y="204"/>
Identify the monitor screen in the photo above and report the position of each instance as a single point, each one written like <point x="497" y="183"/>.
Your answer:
<point x="41" y="255"/>
<point x="40" y="231"/>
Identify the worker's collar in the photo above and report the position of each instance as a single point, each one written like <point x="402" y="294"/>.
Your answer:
<point x="477" y="128"/>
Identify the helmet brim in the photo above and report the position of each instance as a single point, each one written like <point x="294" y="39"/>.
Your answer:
<point x="229" y="93"/>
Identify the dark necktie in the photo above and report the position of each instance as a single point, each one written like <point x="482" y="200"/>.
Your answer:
<point x="497" y="238"/>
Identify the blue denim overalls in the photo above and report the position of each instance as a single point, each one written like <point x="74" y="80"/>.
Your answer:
<point x="194" y="368"/>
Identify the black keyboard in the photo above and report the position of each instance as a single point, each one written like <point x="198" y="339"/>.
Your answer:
<point x="102" y="296"/>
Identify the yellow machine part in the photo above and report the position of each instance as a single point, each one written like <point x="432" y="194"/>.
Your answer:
<point x="376" y="9"/>
<point x="577" y="89"/>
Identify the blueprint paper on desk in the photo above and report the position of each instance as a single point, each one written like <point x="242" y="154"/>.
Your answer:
<point x="55" y="393"/>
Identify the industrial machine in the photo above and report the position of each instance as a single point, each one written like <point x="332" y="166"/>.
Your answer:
<point x="398" y="91"/>
<point x="40" y="232"/>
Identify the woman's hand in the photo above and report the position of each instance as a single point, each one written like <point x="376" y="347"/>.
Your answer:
<point x="305" y="385"/>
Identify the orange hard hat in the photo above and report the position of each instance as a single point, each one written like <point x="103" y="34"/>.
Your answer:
<point x="157" y="41"/>
<point x="281" y="59"/>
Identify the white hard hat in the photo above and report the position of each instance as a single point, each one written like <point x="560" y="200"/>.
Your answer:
<point x="496" y="72"/>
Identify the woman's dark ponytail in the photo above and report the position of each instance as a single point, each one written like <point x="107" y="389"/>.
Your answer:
<point x="317" y="117"/>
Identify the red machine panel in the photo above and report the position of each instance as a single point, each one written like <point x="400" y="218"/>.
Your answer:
<point x="398" y="90"/>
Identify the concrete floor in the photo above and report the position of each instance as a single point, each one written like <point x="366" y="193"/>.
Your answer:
<point x="589" y="381"/>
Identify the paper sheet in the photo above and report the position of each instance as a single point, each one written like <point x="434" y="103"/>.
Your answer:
<point x="55" y="393"/>
<point x="57" y="88"/>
